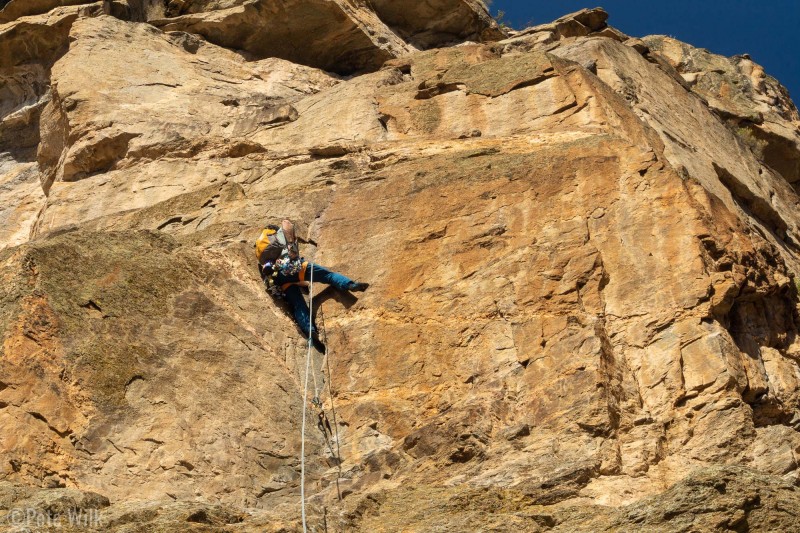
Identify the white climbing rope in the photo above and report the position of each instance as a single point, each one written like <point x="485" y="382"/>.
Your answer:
<point x="305" y="400"/>
<point x="326" y="365"/>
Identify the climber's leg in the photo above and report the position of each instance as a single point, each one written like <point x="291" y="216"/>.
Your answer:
<point x="299" y="308"/>
<point x="339" y="281"/>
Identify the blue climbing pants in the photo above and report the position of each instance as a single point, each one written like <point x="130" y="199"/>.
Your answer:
<point x="294" y="294"/>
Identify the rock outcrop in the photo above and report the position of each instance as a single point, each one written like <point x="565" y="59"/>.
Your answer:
<point x="582" y="250"/>
<point x="756" y="106"/>
<point x="28" y="49"/>
<point x="205" y="99"/>
<point x="344" y="36"/>
<point x="15" y="9"/>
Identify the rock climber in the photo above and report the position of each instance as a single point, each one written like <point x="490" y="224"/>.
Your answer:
<point x="284" y="272"/>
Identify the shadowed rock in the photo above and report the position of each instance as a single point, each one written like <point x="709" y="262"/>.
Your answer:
<point x="336" y="35"/>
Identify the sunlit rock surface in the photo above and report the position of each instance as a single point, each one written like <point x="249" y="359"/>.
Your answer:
<point x="582" y="250"/>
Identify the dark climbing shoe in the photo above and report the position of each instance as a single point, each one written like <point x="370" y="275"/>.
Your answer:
<point x="318" y="344"/>
<point x="358" y="286"/>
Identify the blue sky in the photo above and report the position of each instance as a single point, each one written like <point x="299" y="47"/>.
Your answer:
<point x="768" y="30"/>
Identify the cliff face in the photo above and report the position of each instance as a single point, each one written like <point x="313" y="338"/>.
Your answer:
<point x="582" y="251"/>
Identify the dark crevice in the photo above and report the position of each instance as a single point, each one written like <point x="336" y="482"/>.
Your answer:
<point x="768" y="410"/>
<point x="775" y="151"/>
<point x="384" y="121"/>
<point x="91" y="305"/>
<point x="426" y="93"/>
<point x="133" y="379"/>
<point x="679" y="142"/>
<point x="561" y="486"/>
<point x="169" y="222"/>
<point x="743" y="525"/>
<point x="761" y="315"/>
<point x="40" y="417"/>
<point x="611" y="369"/>
<point x="524" y="84"/>
<point x="200" y="517"/>
<point x="751" y="203"/>
<point x="266" y="490"/>
<point x="211" y="202"/>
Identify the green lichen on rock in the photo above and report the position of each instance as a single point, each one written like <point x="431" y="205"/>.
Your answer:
<point x="713" y="499"/>
<point x="105" y="292"/>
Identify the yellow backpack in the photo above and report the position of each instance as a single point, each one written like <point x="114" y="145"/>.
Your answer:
<point x="275" y="242"/>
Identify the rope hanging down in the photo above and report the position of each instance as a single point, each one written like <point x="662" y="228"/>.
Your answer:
<point x="323" y="424"/>
<point x="305" y="401"/>
<point x="326" y="365"/>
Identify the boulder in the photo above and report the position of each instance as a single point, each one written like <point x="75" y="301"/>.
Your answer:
<point x="578" y="24"/>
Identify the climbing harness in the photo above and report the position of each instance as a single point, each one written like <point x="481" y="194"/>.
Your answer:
<point x="277" y="252"/>
<point x="290" y="267"/>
